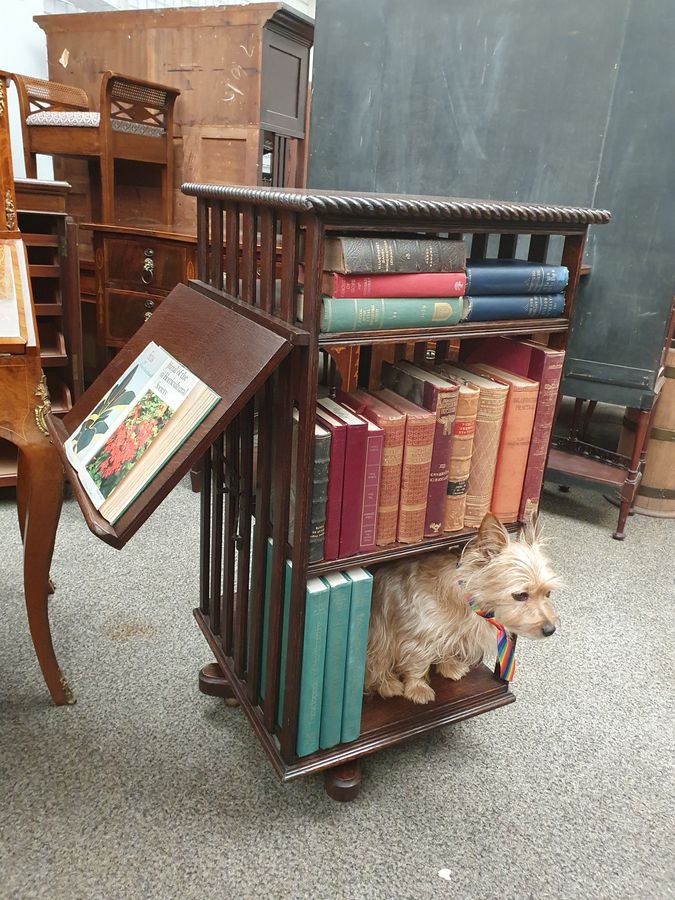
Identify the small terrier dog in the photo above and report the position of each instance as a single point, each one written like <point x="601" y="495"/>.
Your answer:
<point x="423" y="611"/>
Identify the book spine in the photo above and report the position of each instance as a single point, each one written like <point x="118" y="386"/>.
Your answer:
<point x="371" y="490"/>
<point x="444" y="404"/>
<point x="418" y="284"/>
<point x="513" y="449"/>
<point x="417" y="451"/>
<point x="534" y="306"/>
<point x="334" y="669"/>
<point x="514" y="279"/>
<point x="461" y="449"/>
<point x="390" y="482"/>
<point x="364" y="255"/>
<point x="317" y="527"/>
<point x="357" y="641"/>
<point x="352" y="489"/>
<point x="548" y="371"/>
<point x="312" y="671"/>
<point x="336" y="470"/>
<point x="370" y="315"/>
<point x="484" y="457"/>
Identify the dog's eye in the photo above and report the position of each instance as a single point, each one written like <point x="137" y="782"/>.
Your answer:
<point x="548" y="593"/>
<point x="520" y="597"/>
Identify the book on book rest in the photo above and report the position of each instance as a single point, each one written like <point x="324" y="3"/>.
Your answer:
<point x="392" y="423"/>
<point x="529" y="306"/>
<point x="336" y="658"/>
<point x="514" y="276"/>
<point x="136" y="428"/>
<point x="386" y="314"/>
<point x="416" y="284"/>
<point x="336" y="471"/>
<point x="541" y="364"/>
<point x="514" y="443"/>
<point x="357" y="642"/>
<point x="417" y="450"/>
<point x="491" y="404"/>
<point x="439" y="396"/>
<point x="363" y="255"/>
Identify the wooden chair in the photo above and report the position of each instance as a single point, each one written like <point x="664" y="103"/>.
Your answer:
<point x="135" y="122"/>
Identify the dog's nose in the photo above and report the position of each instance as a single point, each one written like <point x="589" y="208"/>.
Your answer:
<point x="548" y="629"/>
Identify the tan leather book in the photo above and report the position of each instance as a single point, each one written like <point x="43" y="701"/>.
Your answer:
<point x="489" y="418"/>
<point x="461" y="450"/>
<point x="417" y="451"/>
<point x="514" y="444"/>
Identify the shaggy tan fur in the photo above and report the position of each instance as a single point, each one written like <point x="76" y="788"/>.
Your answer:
<point x="421" y="616"/>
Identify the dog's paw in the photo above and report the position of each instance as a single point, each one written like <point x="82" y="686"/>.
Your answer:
<point x="391" y="687"/>
<point x="453" y="669"/>
<point x="419" y="692"/>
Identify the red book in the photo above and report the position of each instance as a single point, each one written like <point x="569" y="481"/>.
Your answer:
<point x="371" y="487"/>
<point x="415" y="284"/>
<point x="543" y="364"/>
<point x="439" y="396"/>
<point x="336" y="470"/>
<point x="354" y="475"/>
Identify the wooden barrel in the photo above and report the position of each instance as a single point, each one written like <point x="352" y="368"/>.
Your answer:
<point x="656" y="492"/>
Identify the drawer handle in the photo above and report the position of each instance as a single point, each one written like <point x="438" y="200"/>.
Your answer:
<point x="149" y="304"/>
<point x="147" y="315"/>
<point x="148" y="266"/>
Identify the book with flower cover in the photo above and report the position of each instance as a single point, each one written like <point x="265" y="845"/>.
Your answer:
<point x="544" y="365"/>
<point x="135" y="429"/>
<point x="439" y="396"/>
<point x="392" y="423"/>
<point x="461" y="450"/>
<point x="418" y="447"/>
<point x="514" y="442"/>
<point x="365" y="255"/>
<point x="489" y="418"/>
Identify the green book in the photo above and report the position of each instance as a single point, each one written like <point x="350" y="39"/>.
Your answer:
<point x="357" y="642"/>
<point x="340" y="314"/>
<point x="313" y="657"/>
<point x="336" y="656"/>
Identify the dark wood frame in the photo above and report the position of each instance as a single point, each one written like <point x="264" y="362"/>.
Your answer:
<point x="234" y="486"/>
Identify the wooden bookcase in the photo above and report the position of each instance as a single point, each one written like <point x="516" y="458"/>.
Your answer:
<point x="249" y="468"/>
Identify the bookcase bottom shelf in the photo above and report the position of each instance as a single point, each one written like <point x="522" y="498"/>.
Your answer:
<point x="384" y="723"/>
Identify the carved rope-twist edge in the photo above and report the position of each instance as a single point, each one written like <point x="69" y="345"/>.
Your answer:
<point x="402" y="207"/>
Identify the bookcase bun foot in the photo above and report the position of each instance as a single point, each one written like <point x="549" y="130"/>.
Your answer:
<point x="343" y="783"/>
<point x="213" y="683"/>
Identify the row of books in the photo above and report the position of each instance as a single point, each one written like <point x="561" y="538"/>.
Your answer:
<point x="386" y="283"/>
<point x="435" y="449"/>
<point x="337" y="614"/>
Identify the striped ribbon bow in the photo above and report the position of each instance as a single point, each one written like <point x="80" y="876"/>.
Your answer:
<point x="506" y="660"/>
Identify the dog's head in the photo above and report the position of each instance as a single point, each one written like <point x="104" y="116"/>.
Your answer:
<point x="512" y="578"/>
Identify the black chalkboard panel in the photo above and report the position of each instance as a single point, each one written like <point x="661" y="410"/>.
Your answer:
<point x="531" y="100"/>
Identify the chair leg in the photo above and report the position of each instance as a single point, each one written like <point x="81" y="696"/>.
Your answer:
<point x="94" y="166"/>
<point x="167" y="196"/>
<point x="30" y="160"/>
<point x="631" y="482"/>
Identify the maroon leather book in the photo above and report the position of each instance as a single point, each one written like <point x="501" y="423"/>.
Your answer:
<point x="354" y="475"/>
<point x="336" y="470"/>
<point x="371" y="487"/>
<point x="543" y="364"/>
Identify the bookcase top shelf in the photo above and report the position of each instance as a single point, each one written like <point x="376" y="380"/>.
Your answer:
<point x="349" y="204"/>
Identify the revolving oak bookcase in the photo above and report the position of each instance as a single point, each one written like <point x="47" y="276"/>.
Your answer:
<point x="248" y="469"/>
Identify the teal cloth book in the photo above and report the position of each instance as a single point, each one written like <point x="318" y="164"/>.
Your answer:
<point x="317" y="600"/>
<point x="336" y="656"/>
<point x="357" y="642"/>
<point x="341" y="314"/>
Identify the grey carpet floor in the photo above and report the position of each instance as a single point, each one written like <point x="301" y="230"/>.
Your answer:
<point x="146" y="789"/>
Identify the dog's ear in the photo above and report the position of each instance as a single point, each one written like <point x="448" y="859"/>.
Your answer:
<point x="531" y="533"/>
<point x="492" y="537"/>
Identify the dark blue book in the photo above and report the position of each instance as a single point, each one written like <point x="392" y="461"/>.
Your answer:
<point x="514" y="276"/>
<point x="529" y="306"/>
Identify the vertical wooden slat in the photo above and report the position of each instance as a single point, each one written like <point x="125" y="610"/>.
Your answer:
<point x="479" y="245"/>
<point x="232" y="249"/>
<point x="441" y="351"/>
<point x="572" y="257"/>
<point x="282" y="419"/>
<point x="380" y="353"/>
<point x="205" y="532"/>
<point x="216" y="268"/>
<point x="507" y="246"/>
<point x="231" y="507"/>
<point x="289" y="271"/>
<point x="263" y="477"/>
<point x="240" y="612"/>
<point x="420" y="353"/>
<point x="267" y="258"/>
<point x="202" y="239"/>
<point x="249" y="241"/>
<point x="216" y="531"/>
<point x="538" y="249"/>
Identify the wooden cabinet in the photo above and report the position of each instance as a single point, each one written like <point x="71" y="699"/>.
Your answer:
<point x="242" y="72"/>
